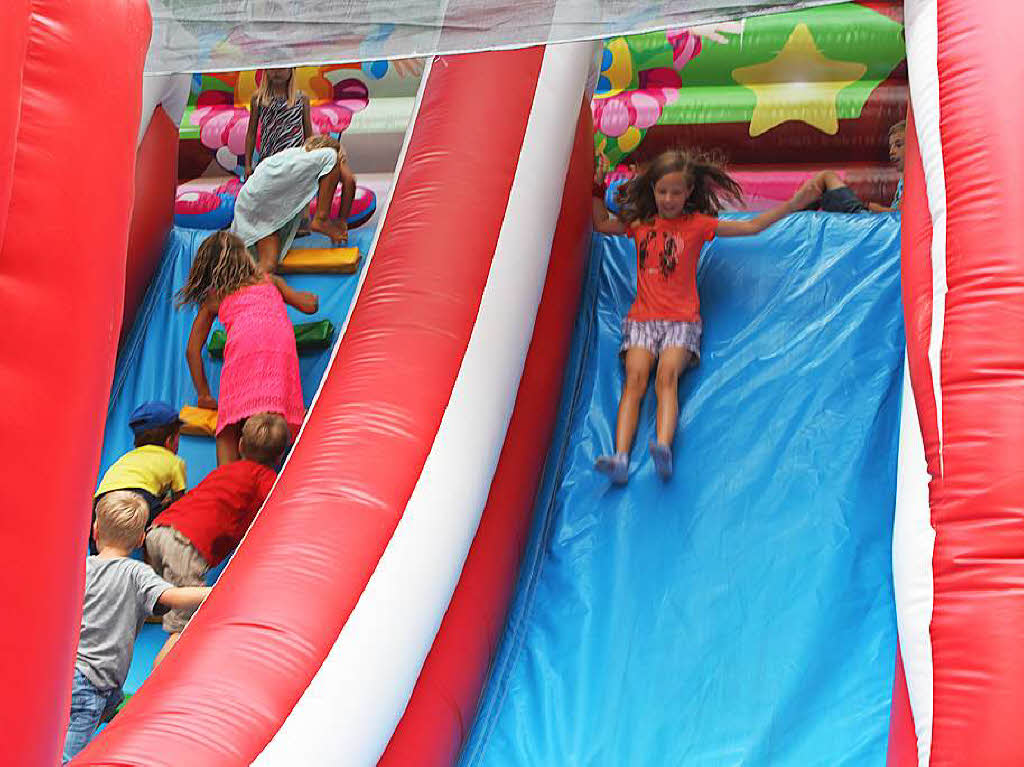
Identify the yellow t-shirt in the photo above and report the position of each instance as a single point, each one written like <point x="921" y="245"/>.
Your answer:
<point x="151" y="467"/>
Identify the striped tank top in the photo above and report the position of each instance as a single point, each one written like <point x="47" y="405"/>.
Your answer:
<point x="281" y="125"/>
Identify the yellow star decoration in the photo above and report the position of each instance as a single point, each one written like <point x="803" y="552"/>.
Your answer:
<point x="798" y="84"/>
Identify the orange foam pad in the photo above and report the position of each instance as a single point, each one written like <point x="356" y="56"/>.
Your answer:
<point x="320" y="261"/>
<point x="198" y="421"/>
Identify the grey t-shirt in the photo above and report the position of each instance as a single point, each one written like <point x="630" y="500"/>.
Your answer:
<point x="119" y="594"/>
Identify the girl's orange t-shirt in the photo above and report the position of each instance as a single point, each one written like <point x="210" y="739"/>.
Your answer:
<point x="667" y="251"/>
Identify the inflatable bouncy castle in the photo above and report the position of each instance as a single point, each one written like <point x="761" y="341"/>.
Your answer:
<point x="438" y="576"/>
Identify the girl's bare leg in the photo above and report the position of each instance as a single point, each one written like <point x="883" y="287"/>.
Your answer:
<point x="671" y="365"/>
<point x="325" y="196"/>
<point x="227" y="444"/>
<point x="634" y="385"/>
<point x="638" y="364"/>
<point x="268" y="253"/>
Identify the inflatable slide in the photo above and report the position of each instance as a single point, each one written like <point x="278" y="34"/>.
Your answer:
<point x="744" y="612"/>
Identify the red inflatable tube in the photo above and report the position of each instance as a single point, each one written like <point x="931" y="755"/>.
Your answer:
<point x="156" y="172"/>
<point x="915" y="272"/>
<point x="444" y="701"/>
<point x="978" y="500"/>
<point x="964" y="304"/>
<point x="62" y="256"/>
<point x="252" y="649"/>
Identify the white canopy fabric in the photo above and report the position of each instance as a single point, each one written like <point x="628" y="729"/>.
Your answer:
<point x="219" y="35"/>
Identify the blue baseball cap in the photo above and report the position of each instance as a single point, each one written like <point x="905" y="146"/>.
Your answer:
<point x="151" y="415"/>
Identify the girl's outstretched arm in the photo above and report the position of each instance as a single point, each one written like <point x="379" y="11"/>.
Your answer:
<point x="604" y="222"/>
<point x="804" y="196"/>
<point x="194" y="352"/>
<point x="303" y="300"/>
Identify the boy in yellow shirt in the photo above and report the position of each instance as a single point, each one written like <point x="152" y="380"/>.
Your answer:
<point x="153" y="469"/>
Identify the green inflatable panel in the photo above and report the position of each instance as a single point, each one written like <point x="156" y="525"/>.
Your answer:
<point x="309" y="336"/>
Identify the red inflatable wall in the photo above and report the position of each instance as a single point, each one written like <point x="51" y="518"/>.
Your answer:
<point x="963" y="295"/>
<point x="443" y="704"/>
<point x="64" y="123"/>
<point x="156" y="178"/>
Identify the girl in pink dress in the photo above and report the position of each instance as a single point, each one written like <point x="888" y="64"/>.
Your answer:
<point x="261" y="365"/>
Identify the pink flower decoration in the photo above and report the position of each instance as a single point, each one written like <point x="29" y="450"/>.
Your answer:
<point x="613" y="117"/>
<point x="330" y="118"/>
<point x="222" y="125"/>
<point x="641" y="108"/>
<point x="647" y="109"/>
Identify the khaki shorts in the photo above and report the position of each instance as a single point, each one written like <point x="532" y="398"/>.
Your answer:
<point x="179" y="563"/>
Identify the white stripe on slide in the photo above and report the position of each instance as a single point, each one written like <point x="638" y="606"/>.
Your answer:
<point x="913" y="542"/>
<point x="922" y="33"/>
<point x="353" y="704"/>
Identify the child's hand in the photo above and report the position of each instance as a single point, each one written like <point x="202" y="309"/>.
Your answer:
<point x="207" y="402"/>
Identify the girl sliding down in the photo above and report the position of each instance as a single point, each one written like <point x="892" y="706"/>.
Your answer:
<point x="261" y="365"/>
<point x="271" y="204"/>
<point x="670" y="211"/>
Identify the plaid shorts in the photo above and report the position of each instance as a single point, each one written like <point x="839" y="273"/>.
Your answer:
<point x="658" y="335"/>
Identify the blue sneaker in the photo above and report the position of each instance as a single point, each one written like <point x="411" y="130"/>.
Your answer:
<point x="662" y="455"/>
<point x="615" y="467"/>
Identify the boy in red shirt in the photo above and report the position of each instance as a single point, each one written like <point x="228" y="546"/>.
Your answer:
<point x="199" y="531"/>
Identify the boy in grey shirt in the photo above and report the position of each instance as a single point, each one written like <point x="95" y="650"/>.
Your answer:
<point x="120" y="593"/>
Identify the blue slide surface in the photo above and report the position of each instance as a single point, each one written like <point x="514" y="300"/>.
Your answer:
<point x="742" y="613"/>
<point x="152" y="365"/>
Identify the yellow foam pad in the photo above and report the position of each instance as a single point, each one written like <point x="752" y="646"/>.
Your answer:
<point x="320" y="261"/>
<point x="198" y="421"/>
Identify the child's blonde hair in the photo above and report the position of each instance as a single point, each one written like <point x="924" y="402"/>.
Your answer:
<point x="121" y="518"/>
<point x="222" y="265"/>
<point x="265" y="437"/>
<point x="704" y="172"/>
<point x="898" y="128"/>
<point x="263" y="94"/>
<point x="323" y="141"/>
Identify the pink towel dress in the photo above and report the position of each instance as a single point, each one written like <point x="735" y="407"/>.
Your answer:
<point x="261" y="365"/>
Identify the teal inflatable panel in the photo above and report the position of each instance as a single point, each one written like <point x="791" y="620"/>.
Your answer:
<point x="742" y="613"/>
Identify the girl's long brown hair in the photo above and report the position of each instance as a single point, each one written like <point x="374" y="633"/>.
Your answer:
<point x="704" y="171"/>
<point x="222" y="265"/>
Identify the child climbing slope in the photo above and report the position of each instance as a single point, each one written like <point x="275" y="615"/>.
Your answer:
<point x="272" y="203"/>
<point x="670" y="211"/>
<point x="261" y="365"/>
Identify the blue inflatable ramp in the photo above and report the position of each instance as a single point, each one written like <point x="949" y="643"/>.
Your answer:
<point x="742" y="613"/>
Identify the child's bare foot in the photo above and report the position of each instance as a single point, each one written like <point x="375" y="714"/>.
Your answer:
<point x="306" y="302"/>
<point x="328" y="227"/>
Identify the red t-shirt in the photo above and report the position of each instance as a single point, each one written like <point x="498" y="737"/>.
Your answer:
<point x="667" y="251"/>
<point x="215" y="515"/>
